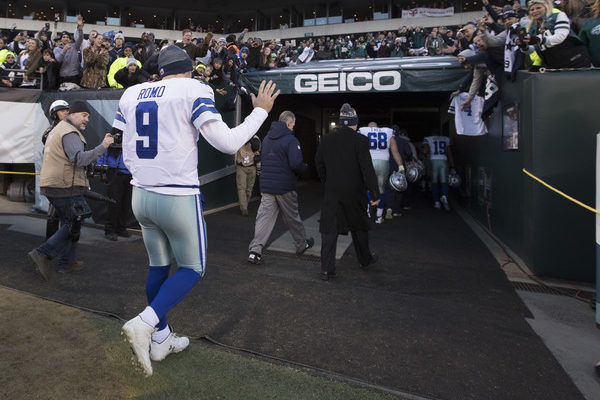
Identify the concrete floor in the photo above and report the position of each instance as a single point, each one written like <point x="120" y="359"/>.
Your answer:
<point x="566" y="325"/>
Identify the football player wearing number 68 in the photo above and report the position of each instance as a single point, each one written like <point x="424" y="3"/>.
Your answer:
<point x="379" y="146"/>
<point x="161" y="123"/>
<point x="437" y="148"/>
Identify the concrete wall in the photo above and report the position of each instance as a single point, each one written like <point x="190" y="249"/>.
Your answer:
<point x="557" y="136"/>
<point x="321" y="30"/>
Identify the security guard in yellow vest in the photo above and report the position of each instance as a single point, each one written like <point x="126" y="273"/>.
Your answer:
<point x="63" y="181"/>
<point x="247" y="161"/>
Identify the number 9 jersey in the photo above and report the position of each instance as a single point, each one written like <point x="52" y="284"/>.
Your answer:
<point x="160" y="123"/>
<point x="379" y="141"/>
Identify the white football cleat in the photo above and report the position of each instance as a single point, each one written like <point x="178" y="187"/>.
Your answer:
<point x="379" y="220"/>
<point x="437" y="205"/>
<point x="172" y="344"/>
<point x="139" y="336"/>
<point x="444" y="201"/>
<point x="389" y="214"/>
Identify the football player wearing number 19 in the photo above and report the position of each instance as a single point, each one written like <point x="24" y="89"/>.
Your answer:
<point x="379" y="145"/>
<point x="161" y="123"/>
<point x="437" y="148"/>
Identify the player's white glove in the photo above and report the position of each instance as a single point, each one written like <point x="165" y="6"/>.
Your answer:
<point x="401" y="169"/>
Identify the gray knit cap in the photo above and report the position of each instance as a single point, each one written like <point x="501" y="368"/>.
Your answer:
<point x="348" y="116"/>
<point x="172" y="61"/>
<point x="131" y="60"/>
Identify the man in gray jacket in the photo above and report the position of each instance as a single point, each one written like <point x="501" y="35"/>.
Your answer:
<point x="63" y="181"/>
<point x="67" y="54"/>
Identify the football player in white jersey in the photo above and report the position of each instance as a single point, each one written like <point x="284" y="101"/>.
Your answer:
<point x="437" y="148"/>
<point x="161" y="123"/>
<point x="379" y="146"/>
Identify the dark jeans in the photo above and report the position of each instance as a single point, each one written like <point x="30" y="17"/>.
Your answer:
<point x="60" y="245"/>
<point x="119" y="189"/>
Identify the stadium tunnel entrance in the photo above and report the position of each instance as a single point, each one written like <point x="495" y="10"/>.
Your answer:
<point x="554" y="143"/>
<point x="317" y="115"/>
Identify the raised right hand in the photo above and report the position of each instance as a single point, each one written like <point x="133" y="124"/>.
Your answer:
<point x="265" y="97"/>
<point x="108" y="140"/>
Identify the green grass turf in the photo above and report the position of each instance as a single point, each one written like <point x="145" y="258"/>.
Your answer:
<point x="206" y="372"/>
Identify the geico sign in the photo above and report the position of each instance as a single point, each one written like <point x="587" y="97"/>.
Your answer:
<point x="347" y="81"/>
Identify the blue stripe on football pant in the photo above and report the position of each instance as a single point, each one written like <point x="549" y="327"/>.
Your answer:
<point x="201" y="229"/>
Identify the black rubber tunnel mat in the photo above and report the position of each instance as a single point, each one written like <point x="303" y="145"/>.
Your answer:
<point x="435" y="316"/>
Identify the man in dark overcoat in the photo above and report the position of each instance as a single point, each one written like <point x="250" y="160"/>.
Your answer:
<point x="344" y="166"/>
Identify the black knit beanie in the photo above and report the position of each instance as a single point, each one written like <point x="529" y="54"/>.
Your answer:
<point x="78" y="106"/>
<point x="348" y="116"/>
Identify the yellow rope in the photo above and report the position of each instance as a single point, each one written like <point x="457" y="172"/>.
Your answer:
<point x="561" y="193"/>
<point x="18" y="173"/>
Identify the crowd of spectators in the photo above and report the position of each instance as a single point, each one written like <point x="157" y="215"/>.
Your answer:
<point x="507" y="38"/>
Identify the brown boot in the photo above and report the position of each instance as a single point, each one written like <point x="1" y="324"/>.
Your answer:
<point x="41" y="264"/>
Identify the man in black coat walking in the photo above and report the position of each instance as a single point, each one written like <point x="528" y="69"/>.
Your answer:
<point x="344" y="166"/>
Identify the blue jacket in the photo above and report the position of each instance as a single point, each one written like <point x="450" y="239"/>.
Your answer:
<point x="114" y="159"/>
<point x="281" y="160"/>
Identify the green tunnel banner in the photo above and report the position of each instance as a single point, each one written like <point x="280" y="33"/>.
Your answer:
<point x="408" y="74"/>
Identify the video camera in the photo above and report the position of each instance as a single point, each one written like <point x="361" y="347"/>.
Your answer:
<point x="118" y="143"/>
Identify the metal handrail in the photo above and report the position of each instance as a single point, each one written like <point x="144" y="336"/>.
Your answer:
<point x="23" y="72"/>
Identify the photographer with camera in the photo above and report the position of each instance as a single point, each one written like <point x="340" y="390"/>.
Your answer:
<point x="118" y="179"/>
<point x="63" y="181"/>
<point x="58" y="111"/>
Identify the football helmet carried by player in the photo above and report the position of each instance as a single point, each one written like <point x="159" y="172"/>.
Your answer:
<point x="454" y="179"/>
<point x="397" y="181"/>
<point x="413" y="172"/>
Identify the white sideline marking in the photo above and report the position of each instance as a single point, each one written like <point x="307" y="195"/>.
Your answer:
<point x="285" y="244"/>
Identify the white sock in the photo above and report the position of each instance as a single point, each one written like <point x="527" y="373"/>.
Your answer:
<point x="149" y="316"/>
<point x="379" y="212"/>
<point x="162" y="335"/>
